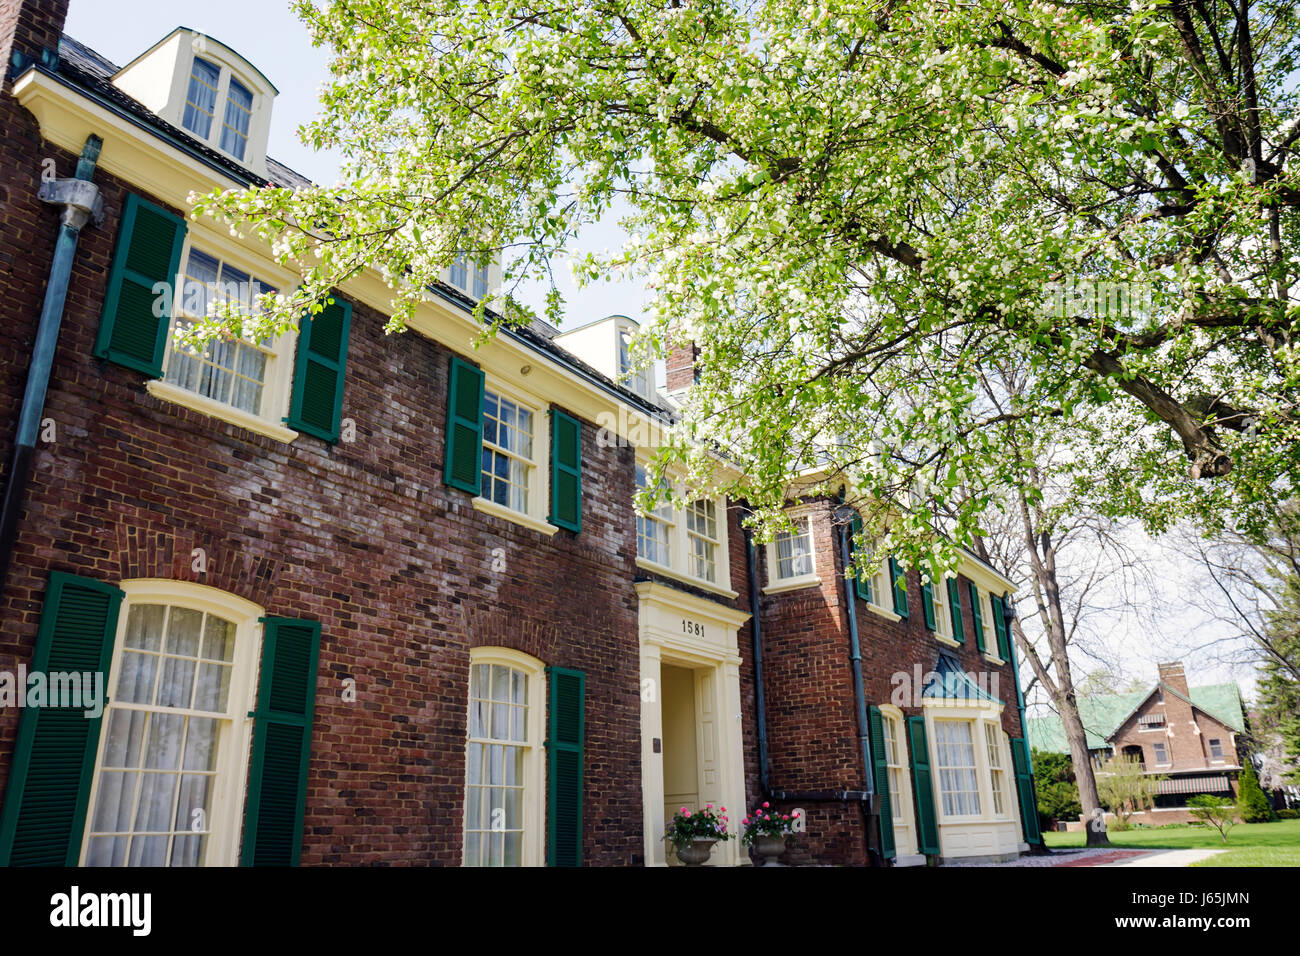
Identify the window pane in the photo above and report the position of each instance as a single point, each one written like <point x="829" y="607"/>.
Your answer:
<point x="201" y="98"/>
<point x="239" y="110"/>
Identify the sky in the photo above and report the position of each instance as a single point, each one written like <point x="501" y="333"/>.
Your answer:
<point x="270" y="37"/>
<point x="267" y="34"/>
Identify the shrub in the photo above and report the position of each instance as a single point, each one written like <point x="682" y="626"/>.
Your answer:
<point x="1119" y="823"/>
<point x="1058" y="801"/>
<point x="1218" y="812"/>
<point x="1252" y="805"/>
<point x="1288" y="814"/>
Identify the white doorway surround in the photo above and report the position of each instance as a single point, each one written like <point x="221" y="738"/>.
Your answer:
<point x="690" y="701"/>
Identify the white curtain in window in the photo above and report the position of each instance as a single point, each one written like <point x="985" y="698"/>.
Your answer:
<point x="157" y="771"/>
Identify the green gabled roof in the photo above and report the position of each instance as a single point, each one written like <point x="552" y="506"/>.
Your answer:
<point x="1103" y="713"/>
<point x="1222" y="702"/>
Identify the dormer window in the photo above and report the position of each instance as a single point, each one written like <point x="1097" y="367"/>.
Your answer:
<point x="469" y="276"/>
<point x="201" y="100"/>
<point x="204" y="87"/>
<point x="239" y="112"/>
<point x="638" y="380"/>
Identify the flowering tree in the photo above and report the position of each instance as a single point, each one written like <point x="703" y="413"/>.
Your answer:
<point x="849" y="207"/>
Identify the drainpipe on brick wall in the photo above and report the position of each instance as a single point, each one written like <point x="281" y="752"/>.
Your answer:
<point x="869" y="807"/>
<point x="764" y="782"/>
<point x="81" y="203"/>
<point x="760" y="704"/>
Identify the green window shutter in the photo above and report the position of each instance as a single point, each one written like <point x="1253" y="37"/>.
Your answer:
<point x="954" y="610"/>
<point x="861" y="584"/>
<point x="566" y="471"/>
<point x="45" y="804"/>
<point x="881" y="768"/>
<point x="277" y="781"/>
<point x="899" y="579"/>
<point x="927" y="604"/>
<point x="318" y="374"/>
<point x="1000" y="627"/>
<point x="976" y="615"/>
<point x="926" y="822"/>
<point x="1021" y="760"/>
<point x="564" y="767"/>
<point x="463" y="468"/>
<point x="131" y="332"/>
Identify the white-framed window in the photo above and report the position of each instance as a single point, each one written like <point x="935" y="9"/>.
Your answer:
<point x="230" y="372"/>
<point x="702" y="536"/>
<point x="942" y="612"/>
<point x="218" y="107"/>
<point x="637" y="379"/>
<point x="240" y="380"/>
<point x="986" y="622"/>
<point x="900" y="791"/>
<point x="997" y="770"/>
<point x="794" y="554"/>
<point x="1161" y="753"/>
<point x="239" y="115"/>
<point x="169" y="775"/>
<point x="201" y="97"/>
<point x="954" y="755"/>
<point x="1216" y="749"/>
<point x="689" y="543"/>
<point x="508" y="450"/>
<point x="504" y="759"/>
<point x="881" y="592"/>
<point x="654" y="531"/>
<point x="469" y="276"/>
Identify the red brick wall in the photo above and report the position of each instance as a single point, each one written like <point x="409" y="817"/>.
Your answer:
<point x="364" y="537"/>
<point x="812" y="724"/>
<point x="1187" y="749"/>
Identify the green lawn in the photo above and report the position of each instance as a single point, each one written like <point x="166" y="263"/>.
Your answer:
<point x="1249" y="844"/>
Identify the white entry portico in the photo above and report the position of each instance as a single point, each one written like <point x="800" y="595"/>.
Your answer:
<point x="690" y="705"/>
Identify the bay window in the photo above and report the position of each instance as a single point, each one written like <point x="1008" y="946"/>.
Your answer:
<point x="954" y="754"/>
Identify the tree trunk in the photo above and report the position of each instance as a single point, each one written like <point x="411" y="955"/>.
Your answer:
<point x="1042" y="557"/>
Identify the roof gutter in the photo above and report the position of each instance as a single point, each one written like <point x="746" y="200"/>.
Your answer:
<point x="81" y="203"/>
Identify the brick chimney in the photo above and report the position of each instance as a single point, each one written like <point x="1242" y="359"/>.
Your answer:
<point x="1172" y="675"/>
<point x="680" y="367"/>
<point x="29" y="27"/>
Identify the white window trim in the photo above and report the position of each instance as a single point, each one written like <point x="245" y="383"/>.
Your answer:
<point x="228" y="796"/>
<point x="255" y="147"/>
<point x="277" y="389"/>
<point x="1005" y="767"/>
<point x="777" y="585"/>
<point x="990" y="633"/>
<point x="539" y="481"/>
<point x="942" y="613"/>
<point x="679" y="545"/>
<point x="975" y="714"/>
<point x="881" y="591"/>
<point x="904" y="814"/>
<point x="534" y="811"/>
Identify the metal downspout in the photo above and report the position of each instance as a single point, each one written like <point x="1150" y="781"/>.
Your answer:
<point x="81" y="203"/>
<point x="757" y="629"/>
<point x="869" y="807"/>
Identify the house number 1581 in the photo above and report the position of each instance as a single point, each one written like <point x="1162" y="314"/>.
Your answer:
<point x="690" y="627"/>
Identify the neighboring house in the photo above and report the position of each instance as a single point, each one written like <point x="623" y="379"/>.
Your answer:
<point x="369" y="599"/>
<point x="1190" y="736"/>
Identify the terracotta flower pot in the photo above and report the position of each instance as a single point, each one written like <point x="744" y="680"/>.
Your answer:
<point x="696" y="852"/>
<point x="768" y="848"/>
